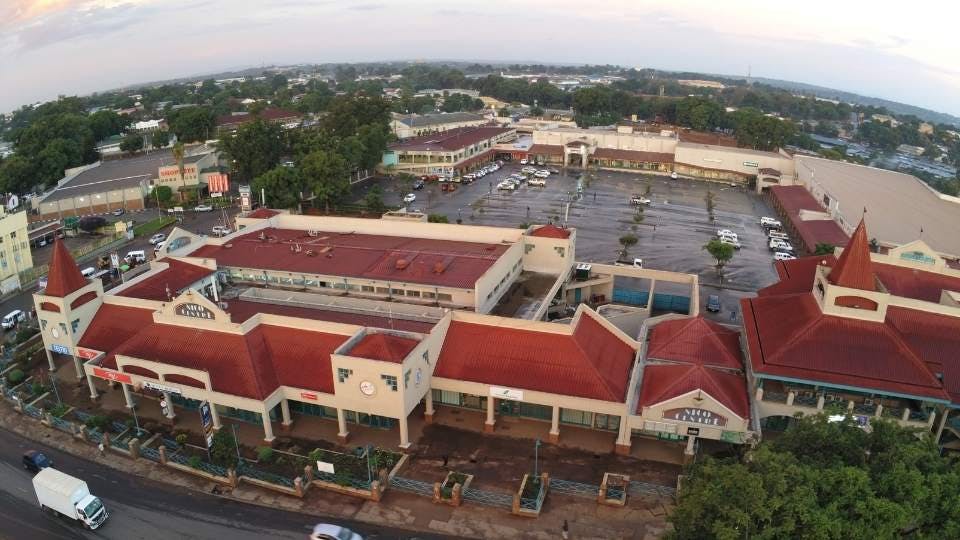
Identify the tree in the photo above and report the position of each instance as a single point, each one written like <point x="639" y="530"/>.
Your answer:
<point x="719" y="251"/>
<point x="91" y="224"/>
<point x="255" y="148"/>
<point x="163" y="195"/>
<point x="536" y="111"/>
<point x="16" y="175"/>
<point x="160" y="138"/>
<point x="327" y="176"/>
<point x="282" y="186"/>
<point x="223" y="450"/>
<point x="373" y="200"/>
<point x="711" y="205"/>
<point x="105" y="123"/>
<point x="824" y="479"/>
<point x="627" y="241"/>
<point x="824" y="249"/>
<point x="132" y="143"/>
<point x="192" y="124"/>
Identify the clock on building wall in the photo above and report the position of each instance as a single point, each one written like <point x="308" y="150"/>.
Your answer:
<point x="54" y="332"/>
<point x="368" y="388"/>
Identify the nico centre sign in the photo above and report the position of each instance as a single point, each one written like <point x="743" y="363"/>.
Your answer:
<point x="194" y="311"/>
<point x="693" y="415"/>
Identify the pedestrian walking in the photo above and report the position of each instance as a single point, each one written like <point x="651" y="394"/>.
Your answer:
<point x="446" y="458"/>
<point x="594" y="196"/>
<point x="101" y="448"/>
<point x="565" y="532"/>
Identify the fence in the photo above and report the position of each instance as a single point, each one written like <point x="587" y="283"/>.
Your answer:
<point x="644" y="488"/>
<point x="661" y="301"/>
<point x="418" y="487"/>
<point x="150" y="453"/>
<point x="576" y="489"/>
<point x="31" y="411"/>
<point x="488" y="498"/>
<point x="245" y="469"/>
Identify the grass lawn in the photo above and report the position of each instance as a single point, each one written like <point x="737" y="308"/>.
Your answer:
<point x="150" y="227"/>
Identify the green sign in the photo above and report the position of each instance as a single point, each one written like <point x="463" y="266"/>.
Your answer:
<point x="918" y="256"/>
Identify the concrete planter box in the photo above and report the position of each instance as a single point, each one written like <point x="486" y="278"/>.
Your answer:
<point x="530" y="507"/>
<point x="456" y="489"/>
<point x="613" y="489"/>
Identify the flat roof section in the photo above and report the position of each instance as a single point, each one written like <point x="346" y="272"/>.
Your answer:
<point x="450" y="140"/>
<point x="898" y="205"/>
<point x="440" y="263"/>
<point x="118" y="174"/>
<point x="241" y="310"/>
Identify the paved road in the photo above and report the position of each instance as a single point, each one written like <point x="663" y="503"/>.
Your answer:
<point x="142" y="509"/>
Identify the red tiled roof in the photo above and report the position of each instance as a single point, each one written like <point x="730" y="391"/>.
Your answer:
<point x="112" y="325"/>
<point x="411" y="260"/>
<point x="935" y="338"/>
<point x="241" y="310"/>
<point x="269" y="114"/>
<point x="796" y="275"/>
<point x="854" y="268"/>
<point x="546" y="150"/>
<point x="385" y="347"/>
<point x="795" y="198"/>
<point x="912" y="283"/>
<point x="788" y="336"/>
<point x="695" y="340"/>
<point x="633" y="155"/>
<point x="262" y="213"/>
<point x="819" y="231"/>
<point x="301" y="358"/>
<point x="64" y="277"/>
<point x="449" y="140"/>
<point x="662" y="382"/>
<point x="592" y="363"/>
<point x="551" y="231"/>
<point x="178" y="276"/>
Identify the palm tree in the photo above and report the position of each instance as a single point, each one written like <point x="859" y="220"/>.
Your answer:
<point x="178" y="157"/>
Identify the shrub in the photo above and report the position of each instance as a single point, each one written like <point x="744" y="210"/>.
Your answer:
<point x="16" y="377"/>
<point x="59" y="410"/>
<point x="264" y="454"/>
<point x="438" y="218"/>
<point x="24" y="334"/>
<point x="224" y="449"/>
<point x="98" y="422"/>
<point x="37" y="388"/>
<point x="194" y="462"/>
<point x="181" y="439"/>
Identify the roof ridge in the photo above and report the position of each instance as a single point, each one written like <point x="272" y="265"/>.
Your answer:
<point x="802" y="331"/>
<point x="677" y="381"/>
<point x="911" y="354"/>
<point x="592" y="365"/>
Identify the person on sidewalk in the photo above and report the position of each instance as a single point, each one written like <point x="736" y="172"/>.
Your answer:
<point x="565" y="531"/>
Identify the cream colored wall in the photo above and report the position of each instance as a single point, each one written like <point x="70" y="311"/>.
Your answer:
<point x="597" y="138"/>
<point x="540" y="254"/>
<point x="533" y="396"/>
<point x="115" y="197"/>
<point x="655" y="414"/>
<point x="731" y="159"/>
<point x="509" y="265"/>
<point x="384" y="402"/>
<point x="84" y="313"/>
<point x="14" y="224"/>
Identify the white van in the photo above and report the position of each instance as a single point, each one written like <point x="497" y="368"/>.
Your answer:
<point x="88" y="272"/>
<point x="137" y="256"/>
<point x="778" y="235"/>
<point x="12" y="318"/>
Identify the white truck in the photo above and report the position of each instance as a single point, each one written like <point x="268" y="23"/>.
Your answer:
<point x="69" y="496"/>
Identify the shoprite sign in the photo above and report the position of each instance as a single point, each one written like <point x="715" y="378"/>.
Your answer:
<point x="695" y="416"/>
<point x="111" y="375"/>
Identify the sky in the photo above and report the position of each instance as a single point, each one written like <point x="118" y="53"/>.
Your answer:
<point x="903" y="51"/>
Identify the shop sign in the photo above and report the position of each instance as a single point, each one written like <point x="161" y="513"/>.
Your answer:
<point x="918" y="256"/>
<point x="206" y="415"/>
<point x="194" y="311"/>
<point x="308" y="395"/>
<point x="506" y="393"/>
<point x="323" y="466"/>
<point x="695" y="416"/>
<point x="59" y="349"/>
<point x="111" y="375"/>
<point x="693" y="431"/>
<point x="161" y="387"/>
<point x="753" y="164"/>
<point x="87" y="354"/>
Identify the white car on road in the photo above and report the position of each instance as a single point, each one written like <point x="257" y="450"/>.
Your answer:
<point x="157" y="238"/>
<point x="203" y="208"/>
<point x="538" y="182"/>
<point x="507" y="185"/>
<point x="781" y="256"/>
<point x="409" y="198"/>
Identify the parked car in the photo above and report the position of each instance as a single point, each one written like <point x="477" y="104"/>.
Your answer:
<point x="409" y="198"/>
<point x="35" y="461"/>
<point x="554" y="171"/>
<point x="726" y="232"/>
<point x="639" y="199"/>
<point x="10" y="320"/>
<point x="507" y="185"/>
<point x="220" y="230"/>
<point x="326" y="531"/>
<point x="732" y="241"/>
<point x="203" y="208"/>
<point x="636" y="263"/>
<point x="157" y="238"/>
<point x="674" y="175"/>
<point x="713" y="303"/>
<point x="418" y="185"/>
<point x="524" y="161"/>
<point x="118" y="212"/>
<point x="538" y="182"/>
<point x="135" y="257"/>
<point x="157" y="248"/>
<point x="783" y="256"/>
<point x="770" y="222"/>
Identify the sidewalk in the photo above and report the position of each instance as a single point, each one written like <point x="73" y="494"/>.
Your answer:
<point x="641" y="519"/>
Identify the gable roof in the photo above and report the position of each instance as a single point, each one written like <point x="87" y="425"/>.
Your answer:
<point x="385" y="347"/>
<point x="592" y="363"/>
<point x="64" y="277"/>
<point x="550" y="231"/>
<point x="178" y="276"/>
<point x="854" y="268"/>
<point x="262" y="213"/>
<point x="695" y="340"/>
<point x="663" y="382"/>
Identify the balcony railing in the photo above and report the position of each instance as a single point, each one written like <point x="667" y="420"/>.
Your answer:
<point x="776" y="397"/>
<point x="919" y="416"/>
<point x="865" y="409"/>
<point x="805" y="401"/>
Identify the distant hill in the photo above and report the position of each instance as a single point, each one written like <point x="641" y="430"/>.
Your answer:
<point x="849" y="97"/>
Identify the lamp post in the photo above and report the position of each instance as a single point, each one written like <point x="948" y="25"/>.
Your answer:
<point x="536" y="451"/>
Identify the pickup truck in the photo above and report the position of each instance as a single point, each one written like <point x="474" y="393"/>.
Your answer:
<point x="70" y="496"/>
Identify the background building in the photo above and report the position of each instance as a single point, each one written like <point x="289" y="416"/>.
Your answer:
<point x="15" y="254"/>
<point x="414" y="125"/>
<point x="451" y="152"/>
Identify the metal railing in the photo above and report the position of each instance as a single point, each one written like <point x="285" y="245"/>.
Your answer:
<point x="418" y="487"/>
<point x="61" y="424"/>
<point x="919" y="416"/>
<point x="334" y="479"/>
<point x="94" y="435"/>
<point x="806" y="401"/>
<point x="488" y="498"/>
<point x="245" y="469"/>
<point x="865" y="408"/>
<point x="645" y="488"/>
<point x="31" y="411"/>
<point x="150" y="453"/>
<point x="577" y="489"/>
<point x="776" y="397"/>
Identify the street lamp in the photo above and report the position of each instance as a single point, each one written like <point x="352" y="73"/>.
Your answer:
<point x="536" y="451"/>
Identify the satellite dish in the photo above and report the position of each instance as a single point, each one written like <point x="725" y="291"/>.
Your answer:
<point x="13" y="202"/>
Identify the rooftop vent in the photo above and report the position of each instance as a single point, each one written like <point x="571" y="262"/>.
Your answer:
<point x="439" y="268"/>
<point x="401" y="264"/>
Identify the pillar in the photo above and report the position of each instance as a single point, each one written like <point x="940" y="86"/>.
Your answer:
<point x="285" y="412"/>
<point x="932" y="415"/>
<point x="906" y="414"/>
<point x="128" y="396"/>
<point x="821" y="401"/>
<point x="404" y="433"/>
<point x="53" y="366"/>
<point x="166" y="398"/>
<point x="78" y="366"/>
<point x="791" y="395"/>
<point x="488" y="425"/>
<point x="759" y="395"/>
<point x="342" y="433"/>
<point x="943" y="422"/>
<point x="555" y="425"/>
<point x="93" y="387"/>
<point x="215" y="416"/>
<point x="623" y="444"/>
<point x="879" y="411"/>
<point x="428" y="410"/>
<point x="267" y="427"/>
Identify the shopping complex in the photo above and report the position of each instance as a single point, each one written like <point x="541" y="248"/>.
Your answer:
<point x="362" y="322"/>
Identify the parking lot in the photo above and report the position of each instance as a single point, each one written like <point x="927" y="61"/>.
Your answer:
<point x="673" y="230"/>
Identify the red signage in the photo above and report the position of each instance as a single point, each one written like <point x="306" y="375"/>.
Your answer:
<point x="87" y="354"/>
<point x="111" y="375"/>
<point x="308" y="395"/>
<point x="218" y="183"/>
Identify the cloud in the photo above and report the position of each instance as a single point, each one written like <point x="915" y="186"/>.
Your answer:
<point x="367" y="7"/>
